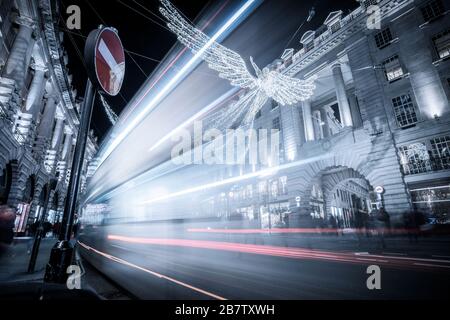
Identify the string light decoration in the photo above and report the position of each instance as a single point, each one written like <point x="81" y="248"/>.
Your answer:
<point x="231" y="66"/>
<point x="112" y="116"/>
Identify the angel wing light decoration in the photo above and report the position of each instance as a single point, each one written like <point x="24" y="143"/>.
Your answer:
<point x="231" y="66"/>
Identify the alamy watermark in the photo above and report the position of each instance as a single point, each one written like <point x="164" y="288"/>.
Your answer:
<point x="74" y="19"/>
<point x="74" y="278"/>
<point x="374" y="280"/>
<point x="230" y="147"/>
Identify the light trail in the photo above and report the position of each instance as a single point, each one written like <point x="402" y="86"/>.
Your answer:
<point x="255" y="174"/>
<point x="156" y="274"/>
<point x="294" y="230"/>
<point x="289" y="252"/>
<point x="172" y="82"/>
<point x="222" y="99"/>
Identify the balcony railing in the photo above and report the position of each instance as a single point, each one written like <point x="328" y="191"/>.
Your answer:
<point x="424" y="166"/>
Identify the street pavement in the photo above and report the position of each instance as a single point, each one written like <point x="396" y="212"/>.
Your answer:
<point x="151" y="263"/>
<point x="236" y="266"/>
<point x="14" y="275"/>
<point x="14" y="262"/>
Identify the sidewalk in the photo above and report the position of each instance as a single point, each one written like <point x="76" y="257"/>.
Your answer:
<point x="14" y="263"/>
<point x="17" y="284"/>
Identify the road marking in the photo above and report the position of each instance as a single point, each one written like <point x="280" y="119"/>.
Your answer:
<point x="373" y="260"/>
<point x="411" y="258"/>
<point x="156" y="274"/>
<point x="120" y="247"/>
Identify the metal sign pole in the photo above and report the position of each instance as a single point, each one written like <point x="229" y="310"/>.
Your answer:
<point x="40" y="230"/>
<point x="61" y="255"/>
<point x="105" y="60"/>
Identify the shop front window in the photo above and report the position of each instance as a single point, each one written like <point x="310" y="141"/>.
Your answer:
<point x="283" y="185"/>
<point x="262" y="188"/>
<point x="415" y="158"/>
<point x="434" y="202"/>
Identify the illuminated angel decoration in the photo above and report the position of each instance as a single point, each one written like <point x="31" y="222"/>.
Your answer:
<point x="231" y="66"/>
<point x="112" y="116"/>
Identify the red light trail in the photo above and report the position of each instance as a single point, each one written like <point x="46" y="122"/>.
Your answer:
<point x="292" y="253"/>
<point x="292" y="230"/>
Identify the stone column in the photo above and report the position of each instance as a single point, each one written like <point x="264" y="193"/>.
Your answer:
<point x="326" y="127"/>
<point x="290" y="122"/>
<point x="45" y="126"/>
<point x="307" y="120"/>
<point x="67" y="146"/>
<point x="35" y="94"/>
<point x="32" y="105"/>
<point x="356" y="114"/>
<point x="17" y="63"/>
<point x="35" y="203"/>
<point x="52" y="152"/>
<point x="66" y="149"/>
<point x="57" y="134"/>
<point x="341" y="93"/>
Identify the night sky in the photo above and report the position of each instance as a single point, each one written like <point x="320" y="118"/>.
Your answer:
<point x="147" y="42"/>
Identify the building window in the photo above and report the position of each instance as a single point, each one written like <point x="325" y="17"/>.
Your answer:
<point x="288" y="62"/>
<point x="369" y="3"/>
<point x="442" y="44"/>
<point x="258" y="115"/>
<point x="274" y="104"/>
<point x="432" y="10"/>
<point x="440" y="151"/>
<point x="383" y="38"/>
<point x="418" y="158"/>
<point x="434" y="200"/>
<point x="335" y="27"/>
<point x="393" y="69"/>
<point x="276" y="123"/>
<point x="309" y="46"/>
<point x="404" y="111"/>
<point x="415" y="158"/>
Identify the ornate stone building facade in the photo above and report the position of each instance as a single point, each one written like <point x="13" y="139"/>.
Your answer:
<point x="39" y="113"/>
<point x="379" y="119"/>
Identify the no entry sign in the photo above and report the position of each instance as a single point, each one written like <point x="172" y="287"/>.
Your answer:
<point x="105" y="60"/>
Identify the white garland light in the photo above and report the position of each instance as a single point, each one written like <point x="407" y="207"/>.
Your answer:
<point x="112" y="116"/>
<point x="231" y="66"/>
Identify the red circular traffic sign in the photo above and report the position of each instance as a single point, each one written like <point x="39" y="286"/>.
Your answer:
<point x="105" y="59"/>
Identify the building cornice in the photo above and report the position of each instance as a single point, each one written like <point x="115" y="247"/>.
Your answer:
<point x="352" y="23"/>
<point x="56" y="59"/>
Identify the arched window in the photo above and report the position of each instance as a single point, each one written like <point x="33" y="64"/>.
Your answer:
<point x="5" y="183"/>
